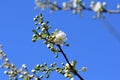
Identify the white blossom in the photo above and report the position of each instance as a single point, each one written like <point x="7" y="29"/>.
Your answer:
<point x="21" y="76"/>
<point x="24" y="66"/>
<point x="43" y="29"/>
<point x="97" y="7"/>
<point x="43" y="24"/>
<point x="64" y="4"/>
<point x="60" y="37"/>
<point x="31" y="76"/>
<point x="35" y="78"/>
<point x="5" y="72"/>
<point x="33" y="70"/>
<point x="49" y="45"/>
<point x="25" y="73"/>
<point x="68" y="75"/>
<point x="67" y="66"/>
<point x="75" y="3"/>
<point x="72" y="78"/>
<point x="104" y="3"/>
<point x="6" y="60"/>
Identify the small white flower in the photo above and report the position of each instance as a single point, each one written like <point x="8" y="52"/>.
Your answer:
<point x="37" y="66"/>
<point x="73" y="63"/>
<point x="67" y="65"/>
<point x="67" y="71"/>
<point x="12" y="65"/>
<point x="60" y="37"/>
<point x="20" y="70"/>
<point x="21" y="76"/>
<point x="104" y="3"/>
<point x="72" y="78"/>
<point x="49" y="45"/>
<point x="5" y="72"/>
<point x="75" y="3"/>
<point x="24" y="66"/>
<point x="43" y="24"/>
<point x="92" y="4"/>
<point x="31" y="76"/>
<point x="64" y="4"/>
<point x="25" y="73"/>
<point x="33" y="70"/>
<point x="6" y="60"/>
<point x="43" y="29"/>
<point x="97" y="7"/>
<point x="35" y="78"/>
<point x="68" y="75"/>
<point x="11" y="72"/>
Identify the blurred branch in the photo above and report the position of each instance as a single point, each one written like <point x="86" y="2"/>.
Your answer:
<point x="110" y="28"/>
<point x="69" y="6"/>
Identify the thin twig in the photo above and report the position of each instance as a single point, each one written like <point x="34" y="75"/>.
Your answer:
<point x="75" y="72"/>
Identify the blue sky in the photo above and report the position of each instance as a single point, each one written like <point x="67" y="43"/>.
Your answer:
<point x="91" y="43"/>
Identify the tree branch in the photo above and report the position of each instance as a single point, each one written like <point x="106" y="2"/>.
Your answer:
<point x="52" y="5"/>
<point x="75" y="72"/>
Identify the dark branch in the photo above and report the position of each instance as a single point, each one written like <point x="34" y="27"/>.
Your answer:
<point x="75" y="72"/>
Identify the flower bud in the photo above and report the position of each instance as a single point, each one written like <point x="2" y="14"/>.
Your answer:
<point x="43" y="24"/>
<point x="21" y="76"/>
<point x="104" y="3"/>
<point x="33" y="40"/>
<point x="84" y="69"/>
<point x="33" y="71"/>
<point x="72" y="78"/>
<point x="5" y="72"/>
<point x="31" y="76"/>
<point x="24" y="66"/>
<point x="43" y="29"/>
<point x="64" y="4"/>
<point x="49" y="45"/>
<point x="6" y="60"/>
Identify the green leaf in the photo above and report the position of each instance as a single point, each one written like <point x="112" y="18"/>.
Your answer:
<point x="44" y="35"/>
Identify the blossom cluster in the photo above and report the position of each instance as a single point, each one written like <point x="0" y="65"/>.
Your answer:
<point x="42" y="69"/>
<point x="52" y="40"/>
<point x="65" y="70"/>
<point x="13" y="72"/>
